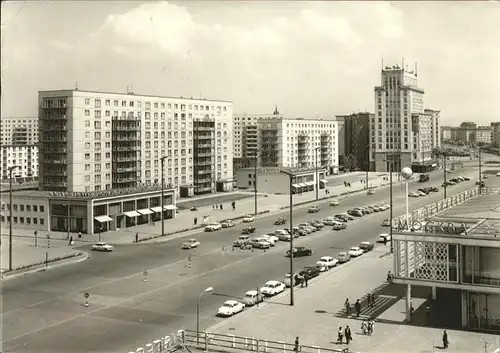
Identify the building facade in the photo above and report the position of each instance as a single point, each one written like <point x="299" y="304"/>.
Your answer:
<point x="426" y="136"/>
<point x="483" y="135"/>
<point x="446" y="133"/>
<point x="19" y="147"/>
<point x="495" y="133"/>
<point x="93" y="141"/>
<point x="298" y="143"/>
<point x="469" y="132"/>
<point x="357" y="141"/>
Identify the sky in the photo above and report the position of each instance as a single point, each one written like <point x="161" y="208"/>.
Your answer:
<point x="308" y="58"/>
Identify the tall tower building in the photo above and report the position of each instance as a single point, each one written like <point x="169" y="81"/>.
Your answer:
<point x="396" y="99"/>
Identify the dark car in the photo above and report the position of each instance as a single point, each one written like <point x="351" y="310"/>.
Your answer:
<point x="366" y="246"/>
<point x="248" y="230"/>
<point x="341" y="218"/>
<point x="423" y="178"/>
<point x="310" y="271"/>
<point x="317" y="224"/>
<point x="355" y="213"/>
<point x="425" y="191"/>
<point x="434" y="189"/>
<point x="280" y="221"/>
<point x="299" y="251"/>
<point x="466" y="178"/>
<point x="480" y="183"/>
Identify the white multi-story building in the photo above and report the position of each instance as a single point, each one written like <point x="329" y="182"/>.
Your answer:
<point x="298" y="143"/>
<point x="91" y="141"/>
<point x="483" y="134"/>
<point x="435" y="127"/>
<point x="19" y="147"/>
<point x="396" y="100"/>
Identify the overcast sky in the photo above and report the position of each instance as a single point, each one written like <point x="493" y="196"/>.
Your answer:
<point x="309" y="58"/>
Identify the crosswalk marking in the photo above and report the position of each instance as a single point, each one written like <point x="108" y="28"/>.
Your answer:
<point x="382" y="302"/>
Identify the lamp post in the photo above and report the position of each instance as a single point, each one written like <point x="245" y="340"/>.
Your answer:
<point x="256" y="160"/>
<point x="68" y="215"/>
<point x="406" y="173"/>
<point x="317" y="173"/>
<point x="162" y="216"/>
<point x="391" y="170"/>
<point x="444" y="174"/>
<point x="209" y="289"/>
<point x="291" y="176"/>
<point x="11" y="169"/>
<point x="480" y="171"/>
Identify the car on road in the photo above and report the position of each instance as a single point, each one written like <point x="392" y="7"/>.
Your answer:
<point x="190" y="244"/>
<point x="310" y="271"/>
<point x="339" y="226"/>
<point x="327" y="261"/>
<point x="343" y="257"/>
<point x="413" y="194"/>
<point x="259" y="243"/>
<point x="482" y="183"/>
<point x="423" y="178"/>
<point x="242" y="240"/>
<point x="421" y="193"/>
<point x="329" y="221"/>
<point x="271" y="239"/>
<point x="271" y="288"/>
<point x="212" y="227"/>
<point x="252" y="297"/>
<point x="280" y="221"/>
<point x="227" y="224"/>
<point x="467" y="178"/>
<point x="383" y="238"/>
<point x="248" y="230"/>
<point x="248" y="218"/>
<point x="334" y="203"/>
<point x="386" y="223"/>
<point x="317" y="224"/>
<point x="287" y="280"/>
<point x="102" y="246"/>
<point x="370" y="209"/>
<point x="307" y="227"/>
<point x="283" y="236"/>
<point x="355" y="251"/>
<point x="376" y="208"/>
<point x="371" y="192"/>
<point x="230" y="308"/>
<point x="383" y="206"/>
<point x="366" y="246"/>
<point x="313" y="209"/>
<point x="299" y="251"/>
<point x="355" y="213"/>
<point x="433" y="189"/>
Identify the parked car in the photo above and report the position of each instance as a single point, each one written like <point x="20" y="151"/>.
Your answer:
<point x="467" y="178"/>
<point x="310" y="271"/>
<point x="355" y="251"/>
<point x="386" y="223"/>
<point x="434" y="189"/>
<point x="227" y="224"/>
<point x="421" y="193"/>
<point x="271" y="239"/>
<point x="299" y="251"/>
<point x="343" y="257"/>
<point x="272" y="288"/>
<point x="242" y="240"/>
<point x="370" y="209"/>
<point x="317" y="224"/>
<point x="102" y="246"/>
<point x="334" y="203"/>
<point x="259" y="243"/>
<point x="280" y="221"/>
<point x="366" y="246"/>
<point x="371" y="192"/>
<point x="355" y="213"/>
<point x="423" y="178"/>
<point x="339" y="226"/>
<point x="342" y="217"/>
<point x="329" y="221"/>
<point x="288" y="280"/>
<point x="384" y="237"/>
<point x="190" y="244"/>
<point x="212" y="227"/>
<point x="248" y="230"/>
<point x="230" y="308"/>
<point x="327" y="262"/>
<point x="248" y="218"/>
<point x="313" y="209"/>
<point x="252" y="297"/>
<point x="413" y="194"/>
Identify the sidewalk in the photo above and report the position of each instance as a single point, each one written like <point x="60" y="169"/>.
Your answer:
<point x="315" y="317"/>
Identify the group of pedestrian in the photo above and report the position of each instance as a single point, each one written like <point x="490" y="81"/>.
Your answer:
<point x="302" y="279"/>
<point x="327" y="191"/>
<point x="346" y="184"/>
<point x="371" y="300"/>
<point x="218" y="207"/>
<point x="357" y="307"/>
<point x="367" y="327"/>
<point x="344" y="333"/>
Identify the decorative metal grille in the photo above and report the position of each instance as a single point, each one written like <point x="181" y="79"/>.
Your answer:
<point x="402" y="259"/>
<point x="432" y="260"/>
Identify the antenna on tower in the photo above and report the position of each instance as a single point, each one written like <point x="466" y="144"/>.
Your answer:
<point x="416" y="67"/>
<point x="403" y="63"/>
<point x="76" y="86"/>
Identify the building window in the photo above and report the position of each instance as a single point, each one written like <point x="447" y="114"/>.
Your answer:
<point x="41" y="210"/>
<point x="21" y="208"/>
<point x="35" y="220"/>
<point x="42" y="221"/>
<point x="35" y="208"/>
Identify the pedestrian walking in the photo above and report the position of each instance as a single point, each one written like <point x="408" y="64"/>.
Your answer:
<point x="302" y="281"/>
<point x="221" y="207"/>
<point x="306" y="279"/>
<point x="71" y="240"/>
<point x="296" y="349"/>
<point x="364" y="327"/>
<point x="347" y="306"/>
<point x="369" y="299"/>
<point x="195" y="221"/>
<point x="213" y="206"/>
<point x="136" y="237"/>
<point x="357" y="306"/>
<point x="340" y="335"/>
<point x="371" y="325"/>
<point x="79" y="234"/>
<point x="445" y="340"/>
<point x="189" y="262"/>
<point x="348" y="334"/>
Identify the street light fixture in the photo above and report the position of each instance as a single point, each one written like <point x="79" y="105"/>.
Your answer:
<point x="256" y="160"/>
<point x="445" y="156"/>
<point x="10" y="169"/>
<point x="291" y="176"/>
<point x="317" y="174"/>
<point x="209" y="289"/>
<point x="391" y="170"/>
<point x="406" y="173"/>
<point x="162" y="217"/>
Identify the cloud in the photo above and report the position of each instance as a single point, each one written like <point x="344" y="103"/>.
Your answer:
<point x="60" y="44"/>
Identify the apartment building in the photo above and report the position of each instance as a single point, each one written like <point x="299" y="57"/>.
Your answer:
<point x="483" y="135"/>
<point x="356" y="140"/>
<point x="469" y="132"/>
<point x="396" y="100"/>
<point x="298" y="143"/>
<point x="92" y="141"/>
<point x="446" y="133"/>
<point x="495" y="133"/>
<point x="19" y="147"/>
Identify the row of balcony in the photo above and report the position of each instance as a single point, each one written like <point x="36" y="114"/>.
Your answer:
<point x="125" y="118"/>
<point x="53" y="138"/>
<point x="126" y="148"/>
<point x="62" y="150"/>
<point x="55" y="183"/>
<point x="56" y="161"/>
<point x="124" y="180"/>
<point x="54" y="117"/>
<point x="134" y="127"/>
<point x="54" y="127"/>
<point x="126" y="139"/>
<point x="127" y="169"/>
<point x="202" y="179"/>
<point x="203" y="128"/>
<point x="58" y="172"/>
<point x="203" y="145"/>
<point x="126" y="159"/>
<point x="203" y="154"/>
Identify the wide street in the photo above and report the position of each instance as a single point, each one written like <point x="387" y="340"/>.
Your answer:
<point x="44" y="312"/>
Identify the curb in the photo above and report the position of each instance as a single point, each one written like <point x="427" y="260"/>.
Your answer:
<point x="42" y="267"/>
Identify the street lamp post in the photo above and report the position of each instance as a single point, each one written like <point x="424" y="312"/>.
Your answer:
<point x="68" y="215"/>
<point x="11" y="169"/>
<point x="317" y="174"/>
<point x="444" y="174"/>
<point x="292" y="277"/>
<point x="391" y="170"/>
<point x="162" y="216"/>
<point x="209" y="289"/>
<point x="480" y="171"/>
<point x="256" y="159"/>
<point x="406" y="173"/>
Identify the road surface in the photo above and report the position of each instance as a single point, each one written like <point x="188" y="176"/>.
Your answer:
<point x="45" y="312"/>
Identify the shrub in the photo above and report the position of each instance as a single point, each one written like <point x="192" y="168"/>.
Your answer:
<point x="54" y="259"/>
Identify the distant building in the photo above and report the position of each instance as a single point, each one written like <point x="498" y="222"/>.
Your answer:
<point x="483" y="135"/>
<point x="495" y="132"/>
<point x="19" y="147"/>
<point x="446" y="133"/>
<point x="435" y="127"/>
<point x="357" y="140"/>
<point x="469" y="132"/>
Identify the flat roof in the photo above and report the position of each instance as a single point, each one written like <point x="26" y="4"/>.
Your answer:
<point x="131" y="94"/>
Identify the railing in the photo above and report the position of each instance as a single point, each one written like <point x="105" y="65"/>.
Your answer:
<point x="222" y="342"/>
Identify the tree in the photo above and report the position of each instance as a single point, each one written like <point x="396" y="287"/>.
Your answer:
<point x="437" y="152"/>
<point x="350" y="162"/>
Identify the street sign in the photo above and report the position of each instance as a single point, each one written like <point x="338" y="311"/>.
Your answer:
<point x="86" y="295"/>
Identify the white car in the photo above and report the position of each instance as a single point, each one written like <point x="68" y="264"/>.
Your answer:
<point x="227" y="224"/>
<point x="271" y="239"/>
<point x="421" y="193"/>
<point x="329" y="221"/>
<point x="230" y="307"/>
<point x="212" y="227"/>
<point x="334" y="203"/>
<point x="384" y="237"/>
<point x="248" y="218"/>
<point x="413" y="194"/>
<point x="313" y="209"/>
<point x="356" y="251"/>
<point x="272" y="288"/>
<point x="190" y="244"/>
<point x="102" y="246"/>
<point x="343" y="257"/>
<point x="327" y="262"/>
<point x="252" y="297"/>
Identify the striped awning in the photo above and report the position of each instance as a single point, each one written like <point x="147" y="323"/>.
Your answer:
<point x="131" y="214"/>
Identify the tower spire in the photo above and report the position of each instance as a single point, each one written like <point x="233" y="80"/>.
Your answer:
<point x="276" y="112"/>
